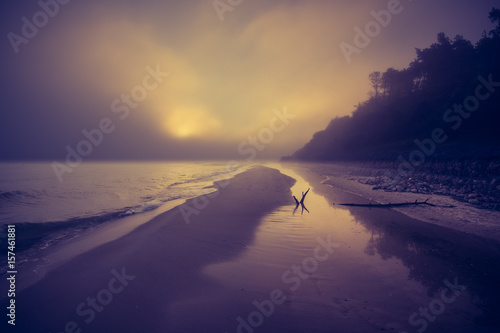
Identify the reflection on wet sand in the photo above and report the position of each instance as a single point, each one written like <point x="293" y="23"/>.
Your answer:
<point x="432" y="254"/>
<point x="301" y="202"/>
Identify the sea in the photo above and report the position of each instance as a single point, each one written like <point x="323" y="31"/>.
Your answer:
<point x="47" y="211"/>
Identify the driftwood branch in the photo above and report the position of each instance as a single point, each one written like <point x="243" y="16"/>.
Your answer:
<point x="301" y="202"/>
<point x="303" y="197"/>
<point x="402" y="204"/>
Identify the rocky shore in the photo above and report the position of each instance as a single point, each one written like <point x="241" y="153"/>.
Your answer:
<point x="474" y="182"/>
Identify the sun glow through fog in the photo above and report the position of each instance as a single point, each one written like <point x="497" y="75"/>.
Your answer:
<point x="188" y="122"/>
<point x="216" y="92"/>
<point x="225" y="77"/>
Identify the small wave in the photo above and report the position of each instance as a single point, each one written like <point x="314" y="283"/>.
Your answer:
<point x="20" y="198"/>
<point x="13" y="195"/>
<point x="42" y="235"/>
<point x="10" y="195"/>
<point x="212" y="177"/>
<point x="175" y="184"/>
<point x="148" y="206"/>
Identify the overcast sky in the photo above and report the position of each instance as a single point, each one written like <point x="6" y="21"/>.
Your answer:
<point x="227" y="71"/>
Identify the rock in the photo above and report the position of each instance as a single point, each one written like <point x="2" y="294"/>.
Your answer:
<point x="473" y="201"/>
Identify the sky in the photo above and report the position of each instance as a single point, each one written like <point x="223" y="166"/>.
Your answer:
<point x="200" y="79"/>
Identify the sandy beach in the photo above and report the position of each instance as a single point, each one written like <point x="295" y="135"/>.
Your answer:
<point x="243" y="259"/>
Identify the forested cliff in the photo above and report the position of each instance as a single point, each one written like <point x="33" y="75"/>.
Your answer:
<point x="446" y="103"/>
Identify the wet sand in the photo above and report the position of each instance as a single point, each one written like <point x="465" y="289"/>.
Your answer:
<point x="250" y="262"/>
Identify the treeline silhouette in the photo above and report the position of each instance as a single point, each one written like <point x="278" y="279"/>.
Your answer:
<point x="409" y="104"/>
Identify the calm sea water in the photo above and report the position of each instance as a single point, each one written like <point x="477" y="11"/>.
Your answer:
<point x="46" y="210"/>
<point x="31" y="193"/>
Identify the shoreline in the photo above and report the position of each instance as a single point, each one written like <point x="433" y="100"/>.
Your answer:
<point x="47" y="245"/>
<point x="249" y="250"/>
<point x="466" y="218"/>
<point x="164" y="249"/>
<point x="66" y="250"/>
<point x="463" y="217"/>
